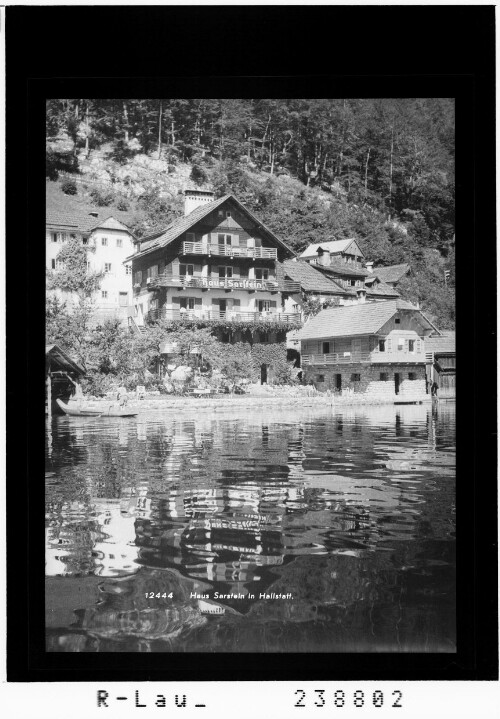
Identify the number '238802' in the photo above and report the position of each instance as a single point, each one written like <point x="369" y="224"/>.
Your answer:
<point x="358" y="699"/>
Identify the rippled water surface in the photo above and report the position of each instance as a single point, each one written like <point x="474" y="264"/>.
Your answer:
<point x="344" y="521"/>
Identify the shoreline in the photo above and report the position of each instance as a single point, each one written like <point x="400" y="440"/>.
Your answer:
<point x="228" y="402"/>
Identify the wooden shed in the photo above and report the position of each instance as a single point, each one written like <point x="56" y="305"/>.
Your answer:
<point x="442" y="363"/>
<point x="59" y="367"/>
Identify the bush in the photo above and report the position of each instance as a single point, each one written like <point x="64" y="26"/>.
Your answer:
<point x="69" y="187"/>
<point x="198" y="175"/>
<point x="122" y="204"/>
<point x="102" y="198"/>
<point x="171" y="169"/>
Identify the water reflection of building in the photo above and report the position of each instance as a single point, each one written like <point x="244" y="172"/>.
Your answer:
<point x="221" y="535"/>
<point x="89" y="538"/>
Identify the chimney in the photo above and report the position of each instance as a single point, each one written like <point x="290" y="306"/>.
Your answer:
<point x="361" y="296"/>
<point x="323" y="257"/>
<point x="195" y="198"/>
<point x="369" y="266"/>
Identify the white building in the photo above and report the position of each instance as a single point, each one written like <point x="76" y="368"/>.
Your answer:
<point x="109" y="241"/>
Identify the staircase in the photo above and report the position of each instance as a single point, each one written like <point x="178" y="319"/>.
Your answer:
<point x="134" y="327"/>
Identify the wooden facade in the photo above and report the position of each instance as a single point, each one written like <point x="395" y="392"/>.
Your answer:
<point x="224" y="266"/>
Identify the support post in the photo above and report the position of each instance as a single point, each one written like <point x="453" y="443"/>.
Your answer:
<point x="49" y="394"/>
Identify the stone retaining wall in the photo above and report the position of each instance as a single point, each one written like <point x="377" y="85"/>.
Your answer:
<point x="370" y="385"/>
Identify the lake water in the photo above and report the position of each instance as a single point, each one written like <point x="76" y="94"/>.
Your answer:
<point x="323" y="530"/>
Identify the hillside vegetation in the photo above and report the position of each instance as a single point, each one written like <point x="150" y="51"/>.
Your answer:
<point x="378" y="170"/>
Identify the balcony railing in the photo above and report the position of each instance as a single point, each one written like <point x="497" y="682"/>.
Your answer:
<point x="219" y="283"/>
<point x="229" y="316"/>
<point x="372" y="357"/>
<point x="256" y="253"/>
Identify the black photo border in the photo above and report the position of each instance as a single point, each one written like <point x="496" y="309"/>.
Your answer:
<point x="339" y="51"/>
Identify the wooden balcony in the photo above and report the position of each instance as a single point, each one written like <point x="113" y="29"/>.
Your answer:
<point x="364" y="357"/>
<point x="228" y="316"/>
<point x="255" y="253"/>
<point x="217" y="283"/>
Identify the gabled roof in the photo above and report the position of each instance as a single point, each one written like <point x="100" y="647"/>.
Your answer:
<point x="342" y="268"/>
<point x="83" y="221"/>
<point x="183" y="224"/>
<point x="332" y="246"/>
<point x="61" y="360"/>
<point x="392" y="273"/>
<point x="350" y="320"/>
<point x="441" y="345"/>
<point x="311" y="280"/>
<point x="381" y="289"/>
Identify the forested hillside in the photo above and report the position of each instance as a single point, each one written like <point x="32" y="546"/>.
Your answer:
<point x="378" y="170"/>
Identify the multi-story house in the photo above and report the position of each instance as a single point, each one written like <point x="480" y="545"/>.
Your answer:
<point x="323" y="253"/>
<point x="109" y="242"/>
<point x="373" y="348"/>
<point x="341" y="262"/>
<point x="217" y="263"/>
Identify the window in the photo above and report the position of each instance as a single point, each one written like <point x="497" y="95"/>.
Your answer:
<point x="384" y="376"/>
<point x="381" y="345"/>
<point x="225" y="272"/>
<point x="104" y="241"/>
<point x="320" y="378"/>
<point x="104" y="294"/>
<point x="54" y="236"/>
<point x="138" y="277"/>
<point x="326" y="348"/>
<point x="411" y="345"/>
<point x="119" y="242"/>
<point x="397" y="321"/>
<point x="153" y="271"/>
<point x="353" y="283"/>
<point x="355" y="377"/>
<point x="107" y="267"/>
<point x="153" y="304"/>
<point x="412" y="375"/>
<point x="264" y="305"/>
<point x="186" y="270"/>
<point x="85" y="240"/>
<point x="261" y="274"/>
<point x="224" y="239"/>
<point x="401" y="344"/>
<point x="128" y="269"/>
<point x="228" y="214"/>
<point x="244" y="272"/>
<point x="53" y="264"/>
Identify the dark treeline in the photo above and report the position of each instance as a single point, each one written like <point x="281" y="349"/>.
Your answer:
<point x="381" y="170"/>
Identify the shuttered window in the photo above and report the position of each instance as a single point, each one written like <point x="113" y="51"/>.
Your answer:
<point x="153" y="271"/>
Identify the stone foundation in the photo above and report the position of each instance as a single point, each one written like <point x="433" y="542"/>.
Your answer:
<point x="370" y="384"/>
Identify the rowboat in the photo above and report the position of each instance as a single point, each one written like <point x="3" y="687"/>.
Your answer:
<point x="80" y="409"/>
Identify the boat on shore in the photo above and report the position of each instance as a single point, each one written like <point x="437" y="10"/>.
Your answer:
<point x="85" y="409"/>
